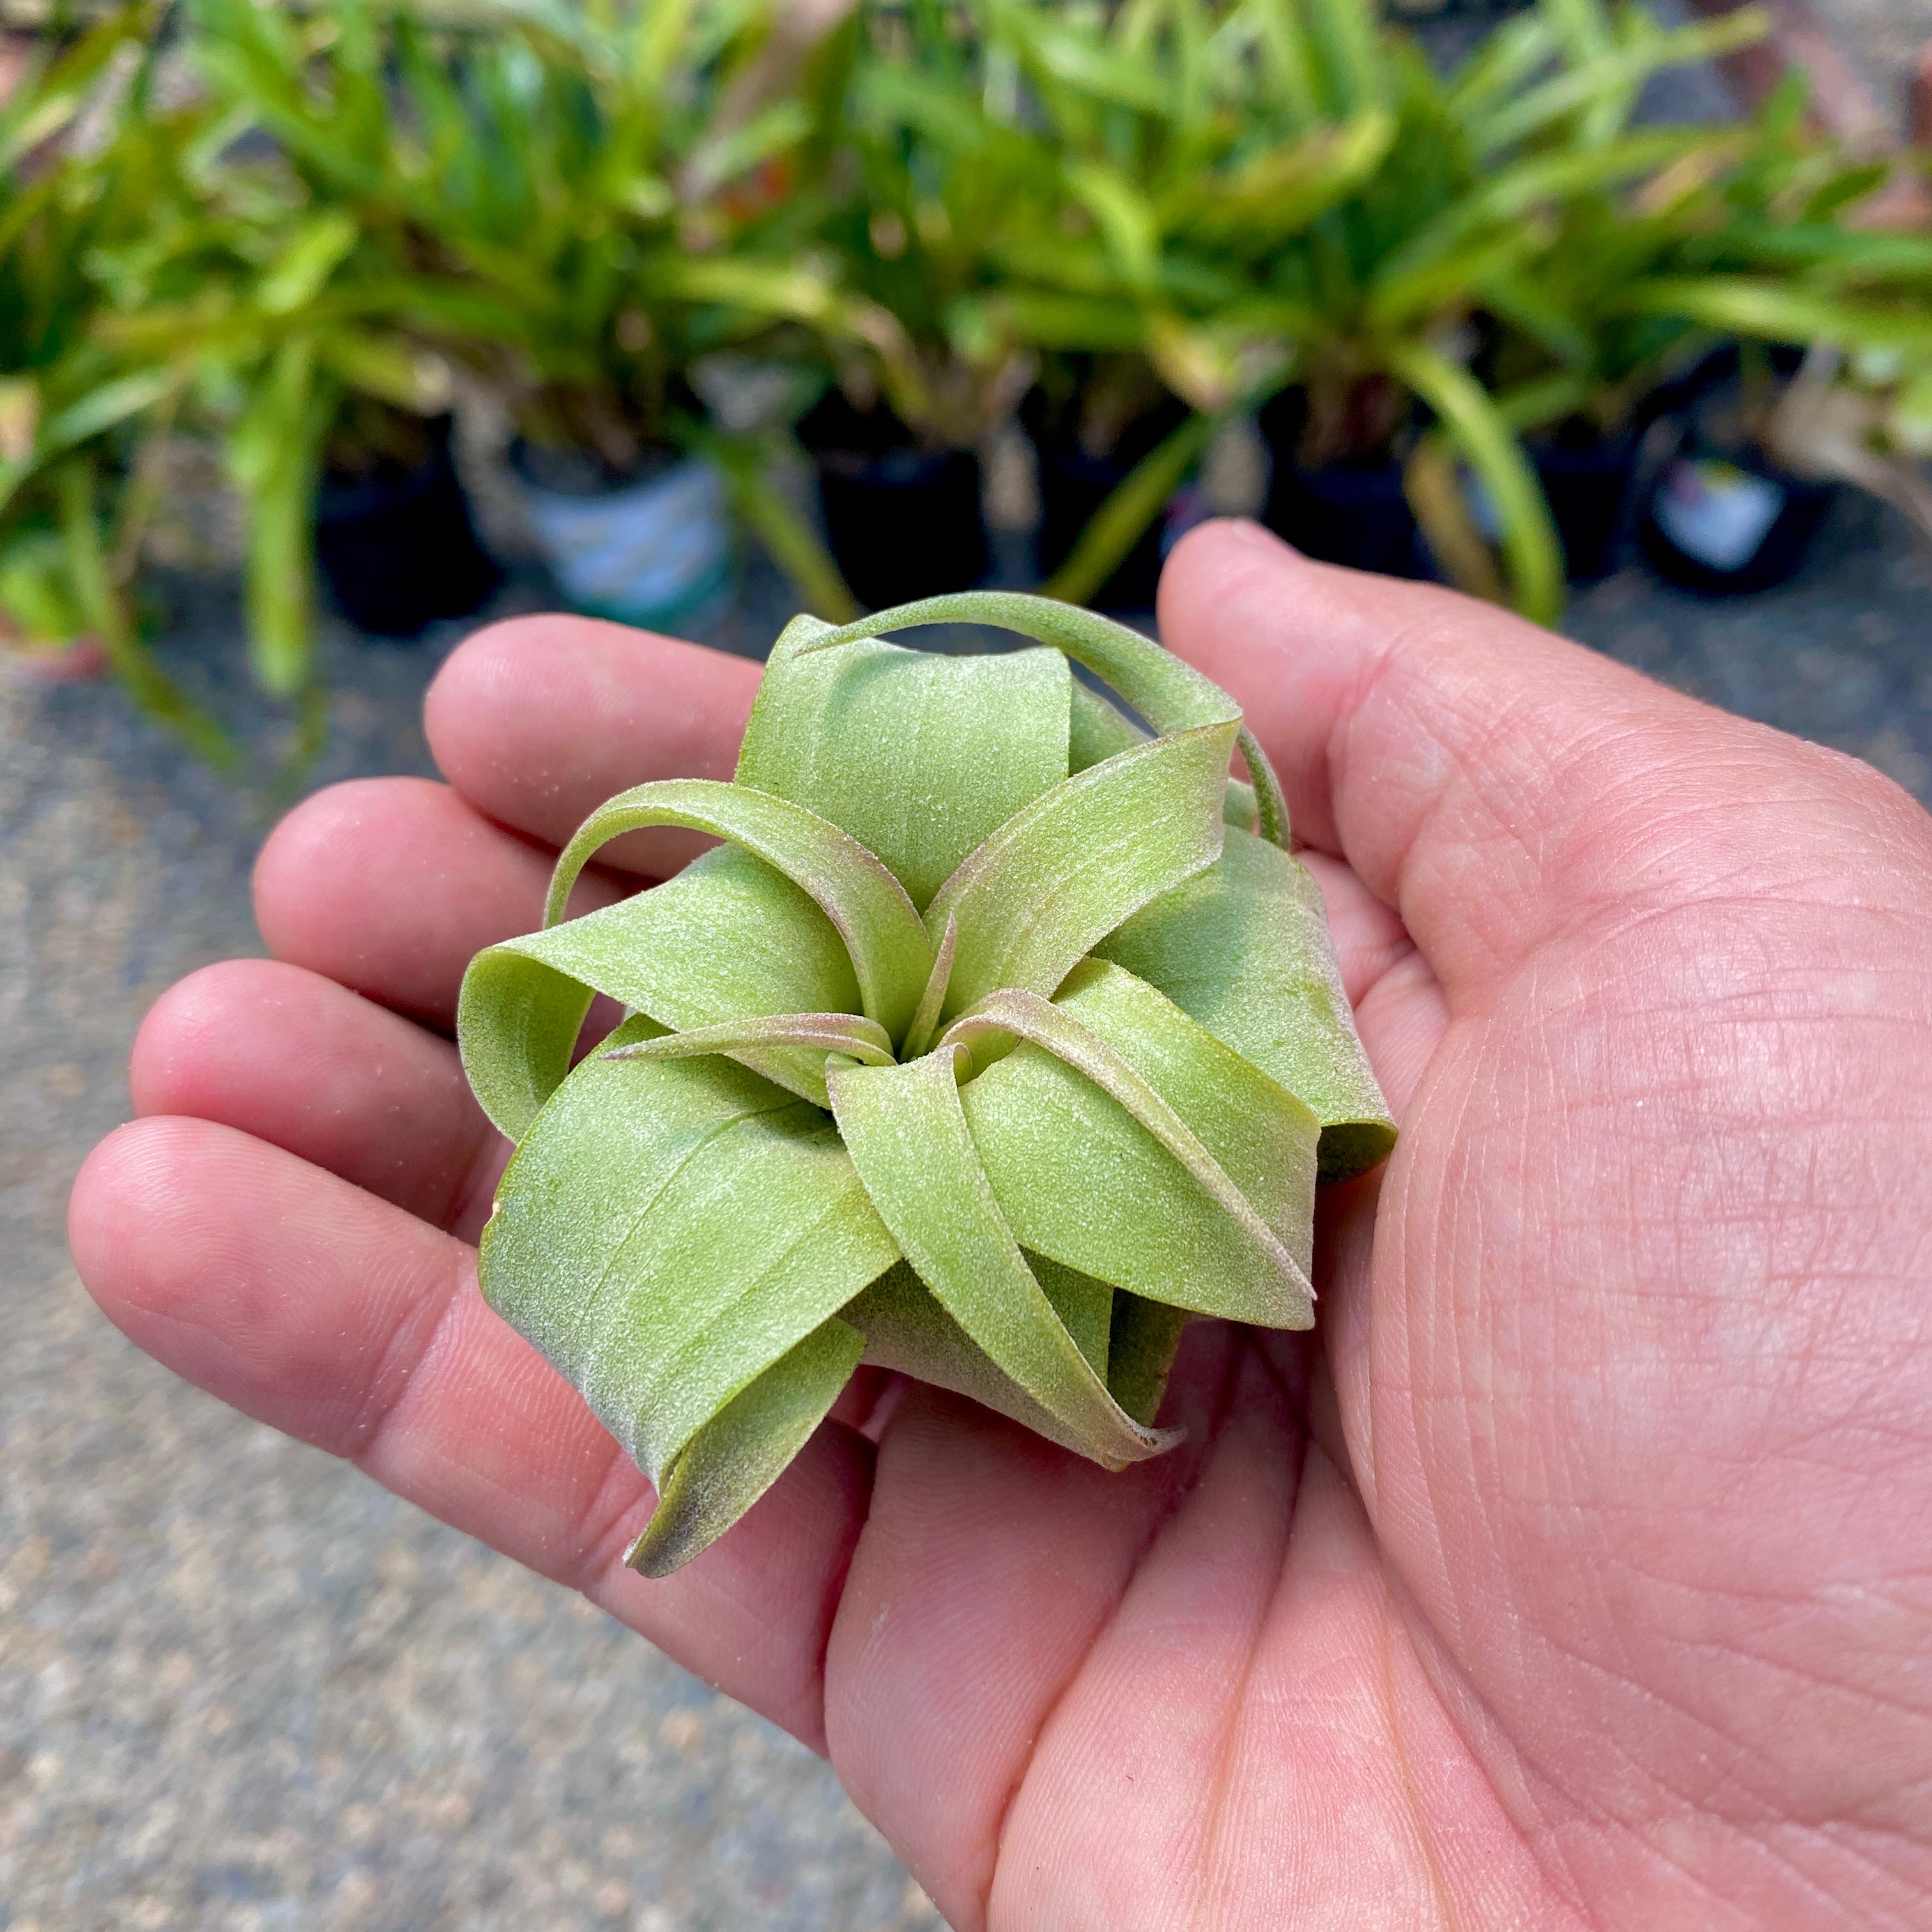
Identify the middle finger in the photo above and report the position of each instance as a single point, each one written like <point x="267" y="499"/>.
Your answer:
<point x="390" y="886"/>
<point x="295" y="1060"/>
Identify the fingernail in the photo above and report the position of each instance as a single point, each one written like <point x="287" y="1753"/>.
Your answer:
<point x="1258" y="537"/>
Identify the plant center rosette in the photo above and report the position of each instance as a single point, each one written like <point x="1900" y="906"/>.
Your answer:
<point x="997" y="1039"/>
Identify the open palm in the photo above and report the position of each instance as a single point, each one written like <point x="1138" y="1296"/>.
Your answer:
<point x="1576" y="1574"/>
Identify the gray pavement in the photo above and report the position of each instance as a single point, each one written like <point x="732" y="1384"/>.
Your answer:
<point x="240" y="1687"/>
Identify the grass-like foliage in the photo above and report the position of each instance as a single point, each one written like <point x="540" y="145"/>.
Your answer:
<point x="996" y="1040"/>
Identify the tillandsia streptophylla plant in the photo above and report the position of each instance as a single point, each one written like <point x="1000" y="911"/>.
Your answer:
<point x="991" y="1047"/>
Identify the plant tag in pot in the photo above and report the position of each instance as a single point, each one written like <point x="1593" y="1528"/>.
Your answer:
<point x="1717" y="513"/>
<point x="997" y="1041"/>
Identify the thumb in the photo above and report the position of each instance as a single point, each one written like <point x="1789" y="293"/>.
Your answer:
<point x="1491" y="781"/>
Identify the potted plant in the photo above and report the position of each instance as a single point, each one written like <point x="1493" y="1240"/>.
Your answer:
<point x="279" y="330"/>
<point x="315" y="321"/>
<point x="571" y="207"/>
<point x="393" y="533"/>
<point x="912" y="186"/>
<point x="1045" y="201"/>
<point x="1093" y="420"/>
<point x="1385" y="293"/>
<point x="649" y="230"/>
<point x="1753" y="230"/>
<point x="1769" y="435"/>
<point x="79" y="428"/>
<point x="1829" y="385"/>
<point x="1182" y="168"/>
<point x="1724" y="514"/>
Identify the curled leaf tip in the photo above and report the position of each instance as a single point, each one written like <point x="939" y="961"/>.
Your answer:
<point x="989" y="1047"/>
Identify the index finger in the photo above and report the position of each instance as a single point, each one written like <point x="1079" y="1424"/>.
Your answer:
<point x="537" y="721"/>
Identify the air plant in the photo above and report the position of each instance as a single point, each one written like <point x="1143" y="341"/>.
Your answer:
<point x="991" y="1047"/>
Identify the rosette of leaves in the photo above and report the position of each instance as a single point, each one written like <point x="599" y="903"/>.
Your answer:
<point x="990" y="1046"/>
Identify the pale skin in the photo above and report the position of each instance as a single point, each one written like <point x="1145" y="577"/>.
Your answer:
<point x="1577" y="1573"/>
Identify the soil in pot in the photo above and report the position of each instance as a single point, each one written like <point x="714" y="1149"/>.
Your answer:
<point x="902" y="522"/>
<point x="1082" y="462"/>
<point x="651" y="546"/>
<point x="1355" y="513"/>
<point x="393" y="539"/>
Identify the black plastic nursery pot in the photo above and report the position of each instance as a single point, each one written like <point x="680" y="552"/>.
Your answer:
<point x="1074" y="483"/>
<point x="1351" y="513"/>
<point x="1356" y="514"/>
<point x="1073" y="487"/>
<point x="1721" y="516"/>
<point x="902" y="522"/>
<point x="396" y="546"/>
<point x="1726" y="525"/>
<point x="1588" y="483"/>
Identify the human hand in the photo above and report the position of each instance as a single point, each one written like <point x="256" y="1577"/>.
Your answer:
<point x="1573" y="1574"/>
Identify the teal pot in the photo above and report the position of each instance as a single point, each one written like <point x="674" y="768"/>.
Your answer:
<point x="653" y="548"/>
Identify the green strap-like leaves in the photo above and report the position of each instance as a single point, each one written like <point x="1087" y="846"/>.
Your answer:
<point x="906" y="1330"/>
<point x="1011" y="1147"/>
<point x="869" y="907"/>
<point x="710" y="1224"/>
<point x="860" y="1040"/>
<point x="728" y="938"/>
<point x="588" y="1169"/>
<point x="1097" y="730"/>
<point x="1082" y="1176"/>
<point x="918" y="757"/>
<point x="925" y="1021"/>
<point x="745" y="1448"/>
<point x="1057" y="878"/>
<point x="1244" y="950"/>
<point x="761" y="1234"/>
<point x="1059" y="1031"/>
<point x="908" y="1138"/>
<point x="1171" y="695"/>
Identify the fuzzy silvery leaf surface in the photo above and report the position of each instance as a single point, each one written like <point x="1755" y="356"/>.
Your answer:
<point x="997" y="1039"/>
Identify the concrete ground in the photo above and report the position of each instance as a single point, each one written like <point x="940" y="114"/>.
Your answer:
<point x="242" y="1688"/>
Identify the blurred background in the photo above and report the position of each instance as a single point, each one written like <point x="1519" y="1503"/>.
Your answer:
<point x="329" y="331"/>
